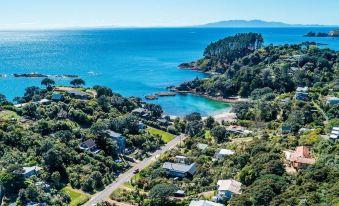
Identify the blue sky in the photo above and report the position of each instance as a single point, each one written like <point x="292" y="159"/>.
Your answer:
<point x="70" y="13"/>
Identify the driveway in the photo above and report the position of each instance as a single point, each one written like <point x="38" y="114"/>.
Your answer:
<point x="104" y="195"/>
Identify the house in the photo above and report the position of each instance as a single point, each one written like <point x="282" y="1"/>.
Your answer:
<point x="89" y="145"/>
<point x="334" y="133"/>
<point x="299" y="158"/>
<point x="286" y="129"/>
<point x="180" y="159"/>
<point x="301" y="94"/>
<point x="62" y="114"/>
<point x="221" y="154"/>
<point x="302" y="89"/>
<point x="28" y="172"/>
<point x="201" y="146"/>
<point x="179" y="169"/>
<point x="331" y="101"/>
<point x="204" y="203"/>
<point x="179" y="193"/>
<point x="44" y="101"/>
<point x="141" y="125"/>
<point x="226" y="188"/>
<point x="78" y="94"/>
<point x="235" y="129"/>
<point x="304" y="130"/>
<point x="119" y="139"/>
<point x="57" y="97"/>
<point x="141" y="112"/>
<point x="163" y="122"/>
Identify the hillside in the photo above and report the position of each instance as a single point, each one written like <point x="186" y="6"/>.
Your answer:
<point x="255" y="24"/>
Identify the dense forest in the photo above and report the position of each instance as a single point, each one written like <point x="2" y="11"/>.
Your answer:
<point x="281" y="68"/>
<point x="47" y="131"/>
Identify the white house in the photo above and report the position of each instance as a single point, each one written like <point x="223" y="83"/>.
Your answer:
<point x="226" y="188"/>
<point x="204" y="203"/>
<point x="221" y="154"/>
<point x="28" y="172"/>
<point x="335" y="133"/>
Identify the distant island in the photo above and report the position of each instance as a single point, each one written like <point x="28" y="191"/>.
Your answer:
<point x="255" y="23"/>
<point x="333" y="33"/>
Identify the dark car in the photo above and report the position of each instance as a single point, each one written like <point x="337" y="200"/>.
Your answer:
<point x="136" y="171"/>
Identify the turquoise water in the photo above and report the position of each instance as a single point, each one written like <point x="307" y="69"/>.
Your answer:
<point x="133" y="62"/>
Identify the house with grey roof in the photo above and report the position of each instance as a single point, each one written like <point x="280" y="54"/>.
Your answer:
<point x="119" y="139"/>
<point x="222" y="153"/>
<point x="89" y="145"/>
<point x="179" y="169"/>
<point x="201" y="146"/>
<point x="78" y="94"/>
<point x="226" y="188"/>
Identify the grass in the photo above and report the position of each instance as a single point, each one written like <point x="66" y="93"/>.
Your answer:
<point x="77" y="197"/>
<point x="128" y="185"/>
<point x="165" y="136"/>
<point x="7" y="115"/>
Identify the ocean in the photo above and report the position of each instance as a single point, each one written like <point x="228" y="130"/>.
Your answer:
<point x="133" y="62"/>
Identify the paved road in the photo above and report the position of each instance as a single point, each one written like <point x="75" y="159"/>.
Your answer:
<point x="104" y="195"/>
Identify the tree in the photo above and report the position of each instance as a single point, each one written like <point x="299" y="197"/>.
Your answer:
<point x="47" y="82"/>
<point x="77" y="82"/>
<point x="87" y="185"/>
<point x="3" y="100"/>
<point x="219" y="133"/>
<point x="97" y="180"/>
<point x="193" y="128"/>
<point x="155" y="109"/>
<point x="103" y="91"/>
<point x="195" y="116"/>
<point x="162" y="192"/>
<point x="31" y="92"/>
<point x="209" y="122"/>
<point x="53" y="160"/>
<point x="55" y="177"/>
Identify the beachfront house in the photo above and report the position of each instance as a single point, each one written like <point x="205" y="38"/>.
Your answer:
<point x="57" y="97"/>
<point x="204" y="203"/>
<point x="179" y="169"/>
<point x="334" y="133"/>
<point x="331" y="101"/>
<point x="78" y="94"/>
<point x="222" y="153"/>
<point x="163" y="122"/>
<point x="28" y="172"/>
<point x="226" y="188"/>
<point x="141" y="112"/>
<point x="119" y="139"/>
<point x="299" y="158"/>
<point x="89" y="145"/>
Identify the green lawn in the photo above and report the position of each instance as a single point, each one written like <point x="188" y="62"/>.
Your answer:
<point x="78" y="198"/>
<point x="165" y="136"/>
<point x="7" y="115"/>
